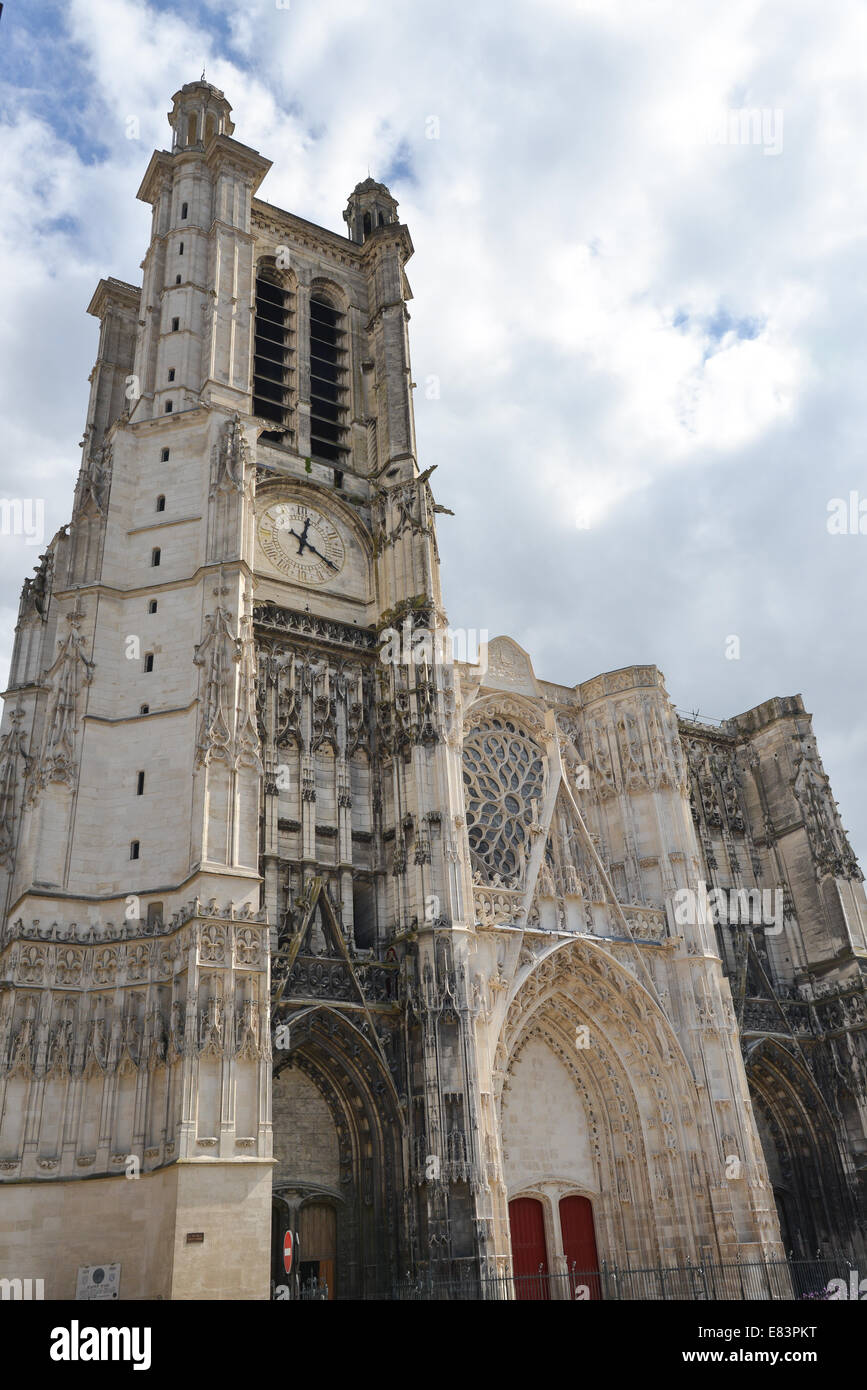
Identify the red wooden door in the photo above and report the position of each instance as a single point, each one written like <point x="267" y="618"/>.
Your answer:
<point x="579" y="1243"/>
<point x="529" y="1253"/>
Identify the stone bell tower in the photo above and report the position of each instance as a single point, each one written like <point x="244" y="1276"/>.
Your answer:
<point x="366" y="873"/>
<point x="134" y="1023"/>
<point x="214" y="792"/>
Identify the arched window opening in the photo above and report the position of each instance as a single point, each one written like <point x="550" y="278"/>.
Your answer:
<point x="367" y="224"/>
<point x="191" y="130"/>
<point x="210" y="127"/>
<point x="363" y="914"/>
<point x="272" y="354"/>
<point x="329" y="362"/>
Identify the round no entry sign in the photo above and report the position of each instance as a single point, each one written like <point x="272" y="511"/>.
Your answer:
<point x="287" y="1252"/>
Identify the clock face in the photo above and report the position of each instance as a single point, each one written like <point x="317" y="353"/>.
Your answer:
<point x="302" y="542"/>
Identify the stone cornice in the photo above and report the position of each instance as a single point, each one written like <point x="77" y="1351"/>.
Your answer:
<point x="268" y="217"/>
<point x="620" y="681"/>
<point x="112" y="591"/>
<point x="159" y="169"/>
<point x="270" y="617"/>
<point x="224" y="152"/>
<point x="113" y="294"/>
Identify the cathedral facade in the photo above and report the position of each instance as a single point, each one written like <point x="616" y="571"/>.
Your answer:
<point x="315" y="921"/>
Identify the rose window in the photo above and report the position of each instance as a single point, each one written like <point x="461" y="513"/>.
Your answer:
<point x="503" y="779"/>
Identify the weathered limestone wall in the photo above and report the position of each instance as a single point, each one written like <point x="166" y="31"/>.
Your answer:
<point x="50" y="1229"/>
<point x="305" y="1140"/>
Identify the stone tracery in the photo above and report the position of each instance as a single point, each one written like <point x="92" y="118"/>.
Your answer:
<point x="504" y="781"/>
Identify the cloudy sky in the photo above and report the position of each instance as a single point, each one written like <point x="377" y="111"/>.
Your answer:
<point x="639" y="320"/>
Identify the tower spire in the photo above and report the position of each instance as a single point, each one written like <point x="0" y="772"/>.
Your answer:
<point x="370" y="206"/>
<point x="199" y="110"/>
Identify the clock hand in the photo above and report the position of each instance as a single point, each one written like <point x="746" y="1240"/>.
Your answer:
<point x="302" y="539"/>
<point x="321" y="557"/>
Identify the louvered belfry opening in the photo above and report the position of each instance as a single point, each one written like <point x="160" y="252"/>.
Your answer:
<point x="329" y="370"/>
<point x="272" y="354"/>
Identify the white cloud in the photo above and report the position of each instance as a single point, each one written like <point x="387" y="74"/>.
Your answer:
<point x="637" y="334"/>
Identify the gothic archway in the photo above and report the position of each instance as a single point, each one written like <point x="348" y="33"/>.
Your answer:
<point x="353" y="1162"/>
<point x="634" y="1096"/>
<point x="803" y="1150"/>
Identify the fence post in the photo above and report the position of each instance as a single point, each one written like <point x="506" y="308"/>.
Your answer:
<point x="696" y="1279"/>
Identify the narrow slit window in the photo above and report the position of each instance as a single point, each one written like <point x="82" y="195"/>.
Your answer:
<point x="181" y="249"/>
<point x="177" y="279"/>
<point x="176" y="323"/>
<point x="169" y="407"/>
<point x="152" y="606"/>
<point x="139" y="784"/>
<point x="149" y="661"/>
<point x="134" y="849"/>
<point x="171" y="373"/>
<point x="164" y="456"/>
<point x="161" y="503"/>
<point x="183" y="211"/>
<point x="155" y="556"/>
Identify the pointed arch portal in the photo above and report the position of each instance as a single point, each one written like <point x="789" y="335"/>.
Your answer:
<point x="615" y="1119"/>
<point x="337" y="1142"/>
<point x="803" y="1149"/>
